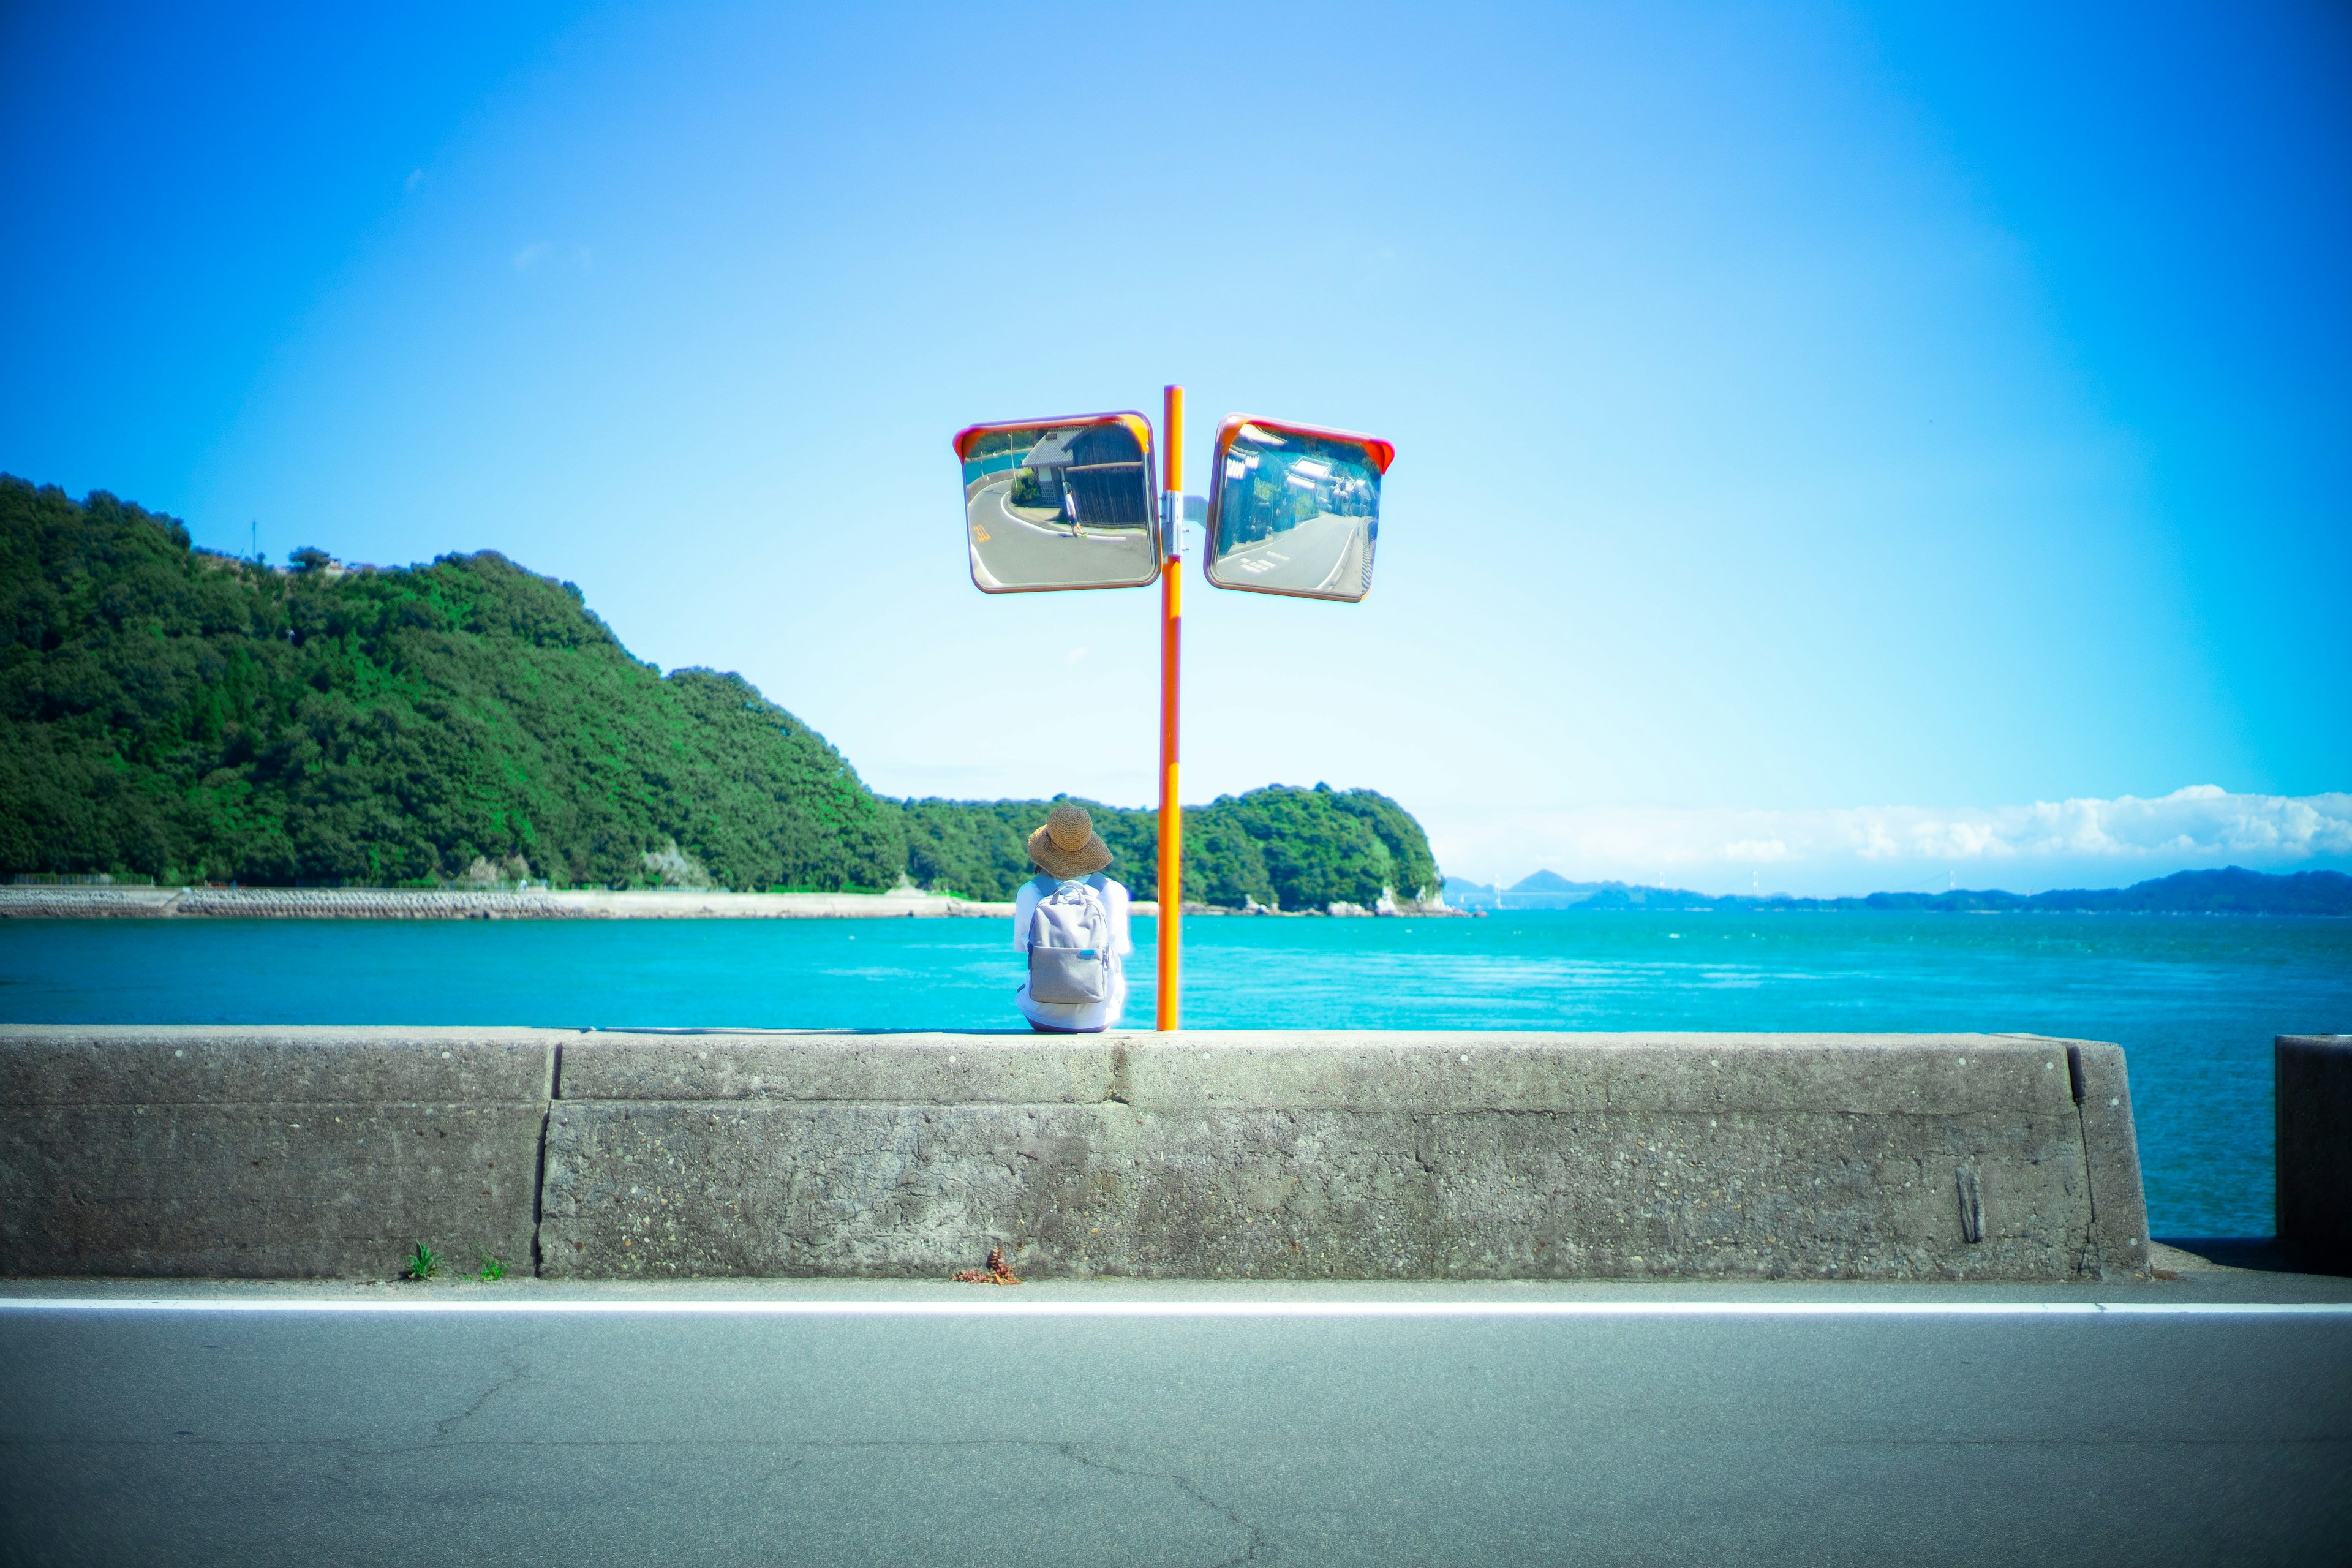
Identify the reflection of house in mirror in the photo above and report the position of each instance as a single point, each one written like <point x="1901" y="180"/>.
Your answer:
<point x="1094" y="476"/>
<point x="1064" y="503"/>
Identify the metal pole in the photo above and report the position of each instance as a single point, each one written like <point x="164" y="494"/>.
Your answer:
<point x="1172" y="631"/>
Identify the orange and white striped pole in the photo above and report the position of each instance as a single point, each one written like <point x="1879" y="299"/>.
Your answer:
<point x="1172" y="638"/>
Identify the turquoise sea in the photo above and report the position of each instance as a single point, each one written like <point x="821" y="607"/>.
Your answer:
<point x="2193" y="1000"/>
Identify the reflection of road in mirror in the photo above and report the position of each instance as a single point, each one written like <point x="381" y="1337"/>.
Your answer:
<point x="1322" y="554"/>
<point x="1036" y="547"/>
<point x="1297" y="510"/>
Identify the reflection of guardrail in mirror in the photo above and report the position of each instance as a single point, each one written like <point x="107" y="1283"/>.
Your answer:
<point x="1000" y="463"/>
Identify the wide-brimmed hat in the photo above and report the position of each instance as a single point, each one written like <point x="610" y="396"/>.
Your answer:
<point x="1069" y="846"/>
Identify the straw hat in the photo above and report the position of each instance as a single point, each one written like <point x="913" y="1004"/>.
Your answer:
<point x="1069" y="846"/>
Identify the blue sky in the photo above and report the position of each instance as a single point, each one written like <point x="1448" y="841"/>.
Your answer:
<point x="1839" y="447"/>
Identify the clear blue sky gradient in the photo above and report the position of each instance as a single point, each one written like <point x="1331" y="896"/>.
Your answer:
<point x="1799" y="409"/>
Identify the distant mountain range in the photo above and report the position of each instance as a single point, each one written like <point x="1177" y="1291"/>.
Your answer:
<point x="2233" y="891"/>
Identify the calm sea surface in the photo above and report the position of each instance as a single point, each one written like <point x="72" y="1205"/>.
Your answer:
<point x="2194" y="1000"/>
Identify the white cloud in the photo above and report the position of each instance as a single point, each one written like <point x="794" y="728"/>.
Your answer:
<point x="2046" y="843"/>
<point x="531" y="255"/>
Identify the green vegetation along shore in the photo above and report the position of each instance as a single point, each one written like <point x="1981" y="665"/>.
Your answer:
<point x="1278" y="848"/>
<point x="170" y="713"/>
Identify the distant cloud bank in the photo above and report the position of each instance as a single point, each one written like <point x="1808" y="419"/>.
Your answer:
<point x="2026" y="848"/>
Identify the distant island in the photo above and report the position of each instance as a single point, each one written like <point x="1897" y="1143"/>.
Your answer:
<point x="174" y="714"/>
<point x="2232" y="890"/>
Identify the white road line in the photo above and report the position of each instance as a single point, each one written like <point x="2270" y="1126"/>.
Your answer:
<point x="720" y="1308"/>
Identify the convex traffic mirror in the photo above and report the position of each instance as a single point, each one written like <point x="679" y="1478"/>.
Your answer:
<point x="1060" y="503"/>
<point x="1293" y="509"/>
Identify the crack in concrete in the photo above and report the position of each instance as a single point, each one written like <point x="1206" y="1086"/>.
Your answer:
<point x="348" y="1453"/>
<point x="1184" y="1484"/>
<point x="1071" y="1451"/>
<point x="515" y="1370"/>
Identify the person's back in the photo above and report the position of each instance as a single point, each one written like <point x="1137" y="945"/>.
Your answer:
<point x="1069" y="923"/>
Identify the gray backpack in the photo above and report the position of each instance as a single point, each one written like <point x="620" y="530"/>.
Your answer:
<point x="1069" y="944"/>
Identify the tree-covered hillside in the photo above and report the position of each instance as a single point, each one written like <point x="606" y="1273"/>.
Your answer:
<point x="1281" y="846"/>
<point x="191" y="716"/>
<point x="186" y="716"/>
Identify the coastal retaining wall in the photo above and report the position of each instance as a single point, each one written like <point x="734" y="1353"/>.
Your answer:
<point x="1203" y="1156"/>
<point x="268" y="1153"/>
<point x="2314" y="1084"/>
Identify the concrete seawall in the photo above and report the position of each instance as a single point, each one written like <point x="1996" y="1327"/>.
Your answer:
<point x="267" y="1152"/>
<point x="2313" y="1075"/>
<point x="325" y="1151"/>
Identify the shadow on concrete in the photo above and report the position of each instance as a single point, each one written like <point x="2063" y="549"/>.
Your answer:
<point x="2254" y="1254"/>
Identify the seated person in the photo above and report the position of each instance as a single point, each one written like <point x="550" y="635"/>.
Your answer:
<point x="1070" y="923"/>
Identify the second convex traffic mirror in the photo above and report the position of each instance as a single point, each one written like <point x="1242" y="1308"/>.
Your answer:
<point x="1060" y="503"/>
<point x="1293" y="509"/>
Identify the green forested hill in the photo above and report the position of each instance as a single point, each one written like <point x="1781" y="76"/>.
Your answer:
<point x="1282" y="847"/>
<point x="185" y="716"/>
<point x="191" y="716"/>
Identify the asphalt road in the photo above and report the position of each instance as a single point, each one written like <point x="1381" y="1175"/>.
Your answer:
<point x="854" y="1424"/>
<point x="1019" y="553"/>
<point x="1322" y="554"/>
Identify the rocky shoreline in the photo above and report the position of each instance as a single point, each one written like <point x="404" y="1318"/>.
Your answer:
<point x="53" y="902"/>
<point x="486" y="904"/>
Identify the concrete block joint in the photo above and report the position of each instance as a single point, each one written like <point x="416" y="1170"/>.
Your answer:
<point x="1273" y="1154"/>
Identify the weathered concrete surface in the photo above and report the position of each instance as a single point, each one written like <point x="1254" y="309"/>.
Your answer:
<point x="1344" y="1156"/>
<point x="330" y="1151"/>
<point x="2315" y="1147"/>
<point x="924" y="1069"/>
<point x="282" y="1153"/>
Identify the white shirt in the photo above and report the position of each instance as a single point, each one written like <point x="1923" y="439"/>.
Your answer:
<point x="1075" y="1015"/>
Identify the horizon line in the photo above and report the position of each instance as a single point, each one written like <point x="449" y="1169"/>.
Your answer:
<point x="1782" y="896"/>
